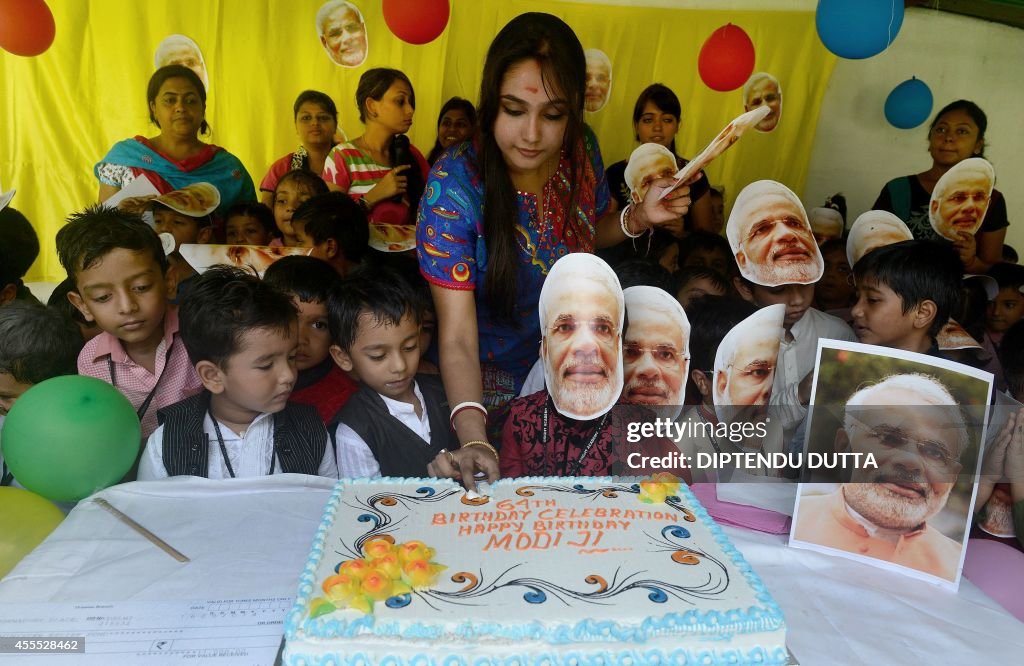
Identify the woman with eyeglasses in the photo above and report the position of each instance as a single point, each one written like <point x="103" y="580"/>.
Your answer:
<point x="957" y="133"/>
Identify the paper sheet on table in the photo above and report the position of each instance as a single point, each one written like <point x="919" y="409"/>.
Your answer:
<point x="232" y="632"/>
<point x="763" y="492"/>
<point x="728" y="136"/>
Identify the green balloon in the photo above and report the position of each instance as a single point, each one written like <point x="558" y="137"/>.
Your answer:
<point x="67" y="437"/>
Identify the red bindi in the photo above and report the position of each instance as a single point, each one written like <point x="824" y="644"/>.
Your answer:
<point x="531" y="89"/>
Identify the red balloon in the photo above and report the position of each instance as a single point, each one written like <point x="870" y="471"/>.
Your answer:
<point x="726" y="60"/>
<point x="417" y="21"/>
<point x="26" y="27"/>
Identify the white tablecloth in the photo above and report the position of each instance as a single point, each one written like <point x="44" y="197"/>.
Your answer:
<point x="250" y="538"/>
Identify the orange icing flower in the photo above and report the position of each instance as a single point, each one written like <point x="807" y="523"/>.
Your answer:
<point x="375" y="548"/>
<point x="387" y="570"/>
<point x="361" y="603"/>
<point x="336" y="579"/>
<point x="658" y="488"/>
<point x="388" y="564"/>
<point x="357" y="569"/>
<point x="414" y="550"/>
<point x="652" y="492"/>
<point x="340" y="588"/>
<point x="421" y="574"/>
<point x="376" y="585"/>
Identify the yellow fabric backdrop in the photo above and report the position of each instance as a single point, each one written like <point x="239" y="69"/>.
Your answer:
<point x="61" y="111"/>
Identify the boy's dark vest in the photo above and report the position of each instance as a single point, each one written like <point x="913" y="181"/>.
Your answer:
<point x="300" y="438"/>
<point x="399" y="451"/>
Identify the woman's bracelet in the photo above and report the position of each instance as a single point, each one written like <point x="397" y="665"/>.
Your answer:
<point x="462" y="406"/>
<point x="486" y="445"/>
<point x="622" y="222"/>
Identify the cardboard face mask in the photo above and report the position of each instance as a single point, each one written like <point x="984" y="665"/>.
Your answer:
<point x="647" y="163"/>
<point x="953" y="336"/>
<point x="250" y="257"/>
<point x="771" y="237"/>
<point x="656" y="348"/>
<point x="599" y="80"/>
<point x="961" y="198"/>
<point x="763" y="89"/>
<point x="872" y="230"/>
<point x="581" y="317"/>
<point x="826" y="224"/>
<point x="182" y="50"/>
<point x="745" y="364"/>
<point x="342" y="32"/>
<point x="195" y="200"/>
<point x="729" y="135"/>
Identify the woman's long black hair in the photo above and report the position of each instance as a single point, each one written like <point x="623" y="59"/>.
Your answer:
<point x="554" y="46"/>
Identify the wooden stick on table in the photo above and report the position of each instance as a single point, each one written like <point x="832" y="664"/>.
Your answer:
<point x="154" y="539"/>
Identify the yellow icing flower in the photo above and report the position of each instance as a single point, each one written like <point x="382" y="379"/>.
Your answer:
<point x="386" y="571"/>
<point x="361" y="603"/>
<point x="389" y="564"/>
<point x="421" y="574"/>
<point x="652" y="492"/>
<point x="414" y="550"/>
<point x="357" y="569"/>
<point x="340" y="588"/>
<point x="377" y="585"/>
<point x="375" y="548"/>
<point x="658" y="488"/>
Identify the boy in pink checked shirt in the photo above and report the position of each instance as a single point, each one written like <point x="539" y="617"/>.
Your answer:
<point x="119" y="271"/>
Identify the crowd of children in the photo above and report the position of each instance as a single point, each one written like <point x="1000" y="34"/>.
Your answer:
<point x="314" y="368"/>
<point x="328" y="364"/>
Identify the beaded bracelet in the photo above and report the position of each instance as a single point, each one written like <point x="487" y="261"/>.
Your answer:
<point x="486" y="445"/>
<point x="464" y="406"/>
<point x="622" y="223"/>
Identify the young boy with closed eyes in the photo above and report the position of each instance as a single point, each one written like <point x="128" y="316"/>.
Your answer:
<point x="242" y="336"/>
<point x="119" y="273"/>
<point x="398" y="420"/>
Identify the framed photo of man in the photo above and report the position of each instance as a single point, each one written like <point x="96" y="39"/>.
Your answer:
<point x="893" y="448"/>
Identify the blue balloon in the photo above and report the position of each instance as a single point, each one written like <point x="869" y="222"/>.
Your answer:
<point x="909" y="104"/>
<point x="858" y="29"/>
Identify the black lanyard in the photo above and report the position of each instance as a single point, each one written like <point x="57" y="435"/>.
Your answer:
<point x="224" y="449"/>
<point x="711" y="430"/>
<point x="141" y="411"/>
<point x="579" y="461"/>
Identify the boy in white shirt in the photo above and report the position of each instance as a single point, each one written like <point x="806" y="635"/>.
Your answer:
<point x="242" y="336"/>
<point x="397" y="422"/>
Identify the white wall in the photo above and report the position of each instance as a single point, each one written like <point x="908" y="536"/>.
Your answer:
<point x="856" y="150"/>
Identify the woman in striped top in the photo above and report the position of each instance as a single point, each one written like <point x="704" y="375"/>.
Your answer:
<point x="380" y="171"/>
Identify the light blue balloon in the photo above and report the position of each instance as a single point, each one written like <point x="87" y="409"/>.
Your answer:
<point x="858" y="29"/>
<point x="909" y="104"/>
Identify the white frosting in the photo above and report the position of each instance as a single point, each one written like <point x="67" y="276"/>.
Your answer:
<point x="544" y="571"/>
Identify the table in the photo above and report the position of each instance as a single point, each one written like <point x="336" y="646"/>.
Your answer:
<point x="249" y="538"/>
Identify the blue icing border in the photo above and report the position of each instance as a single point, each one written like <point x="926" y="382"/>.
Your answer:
<point x="627" y="657"/>
<point x="722" y="624"/>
